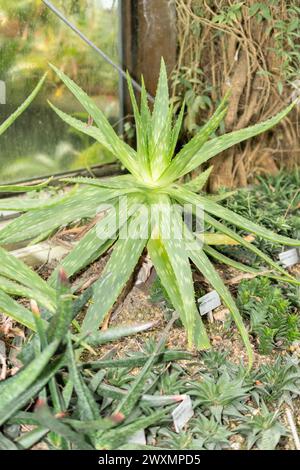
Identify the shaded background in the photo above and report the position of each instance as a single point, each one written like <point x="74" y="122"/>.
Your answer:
<point x="31" y="36"/>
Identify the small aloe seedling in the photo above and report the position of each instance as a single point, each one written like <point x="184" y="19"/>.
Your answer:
<point x="155" y="180"/>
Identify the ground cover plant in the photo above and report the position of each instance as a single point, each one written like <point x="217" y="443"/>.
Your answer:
<point x="62" y="401"/>
<point x="52" y="376"/>
<point x="154" y="180"/>
<point x="80" y="401"/>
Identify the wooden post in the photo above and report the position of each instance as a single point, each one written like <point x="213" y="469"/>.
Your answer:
<point x="148" y="33"/>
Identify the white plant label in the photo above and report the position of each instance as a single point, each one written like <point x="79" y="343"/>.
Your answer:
<point x="183" y="413"/>
<point x="209" y="302"/>
<point x="138" y="438"/>
<point x="289" y="258"/>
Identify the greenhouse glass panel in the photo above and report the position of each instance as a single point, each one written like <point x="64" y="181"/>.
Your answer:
<point x="31" y="36"/>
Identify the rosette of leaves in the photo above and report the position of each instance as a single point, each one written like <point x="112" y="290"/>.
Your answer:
<point x="154" y="179"/>
<point x="263" y="429"/>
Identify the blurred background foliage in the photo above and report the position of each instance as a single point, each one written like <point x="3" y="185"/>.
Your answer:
<point x="253" y="48"/>
<point x="30" y="37"/>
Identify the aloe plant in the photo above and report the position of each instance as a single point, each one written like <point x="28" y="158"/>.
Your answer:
<point x="155" y="179"/>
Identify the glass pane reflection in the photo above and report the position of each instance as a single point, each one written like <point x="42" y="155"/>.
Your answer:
<point x="30" y="37"/>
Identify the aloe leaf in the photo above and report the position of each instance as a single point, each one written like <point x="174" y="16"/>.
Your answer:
<point x="13" y="268"/>
<point x="233" y="218"/>
<point x="118" y="270"/>
<point x="172" y="247"/>
<point x="176" y="131"/>
<point x="133" y="395"/>
<point x="5" y="125"/>
<point x="172" y="266"/>
<point x="88" y="250"/>
<point x="222" y="228"/>
<point x="37" y="222"/>
<point x="161" y="139"/>
<point x="210" y="238"/>
<point x="82" y="300"/>
<point x="121" y="150"/>
<point x="159" y="153"/>
<point x="83" y="127"/>
<point x="221" y="197"/>
<point x="46" y="419"/>
<point x="247" y="269"/>
<point x="10" y="188"/>
<point x="27" y="204"/>
<point x="12" y="288"/>
<point x="61" y="321"/>
<point x="109" y="391"/>
<point x="164" y="269"/>
<point x="38" y="384"/>
<point x="98" y="239"/>
<point x="15" y="386"/>
<point x="219" y="144"/>
<point x="115" y="333"/>
<point x="116" y="437"/>
<point x="161" y="105"/>
<point x="30" y="438"/>
<point x="141" y="135"/>
<point x="115" y="182"/>
<point x="7" y="444"/>
<point x="154" y="401"/>
<point x="207" y="269"/>
<point x="91" y="426"/>
<point x="230" y="262"/>
<point x="197" y="183"/>
<point x="86" y="405"/>
<point x="138" y="361"/>
<point x="22" y="417"/>
<point x="145" y="114"/>
<point x="16" y="311"/>
<point x="184" y="161"/>
<point x="244" y="223"/>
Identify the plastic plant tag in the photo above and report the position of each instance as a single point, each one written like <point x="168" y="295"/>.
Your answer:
<point x="289" y="258"/>
<point x="182" y="413"/>
<point x="138" y="437"/>
<point x="209" y="302"/>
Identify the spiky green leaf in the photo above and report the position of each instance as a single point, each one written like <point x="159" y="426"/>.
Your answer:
<point x="116" y="273"/>
<point x="85" y="203"/>
<point x="207" y="269"/>
<point x="10" y="188"/>
<point x="86" y="404"/>
<point x="218" y="145"/>
<point x="197" y="183"/>
<point x="185" y="160"/>
<point x="9" y="121"/>
<point x="14" y="387"/>
<point x="119" y="148"/>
